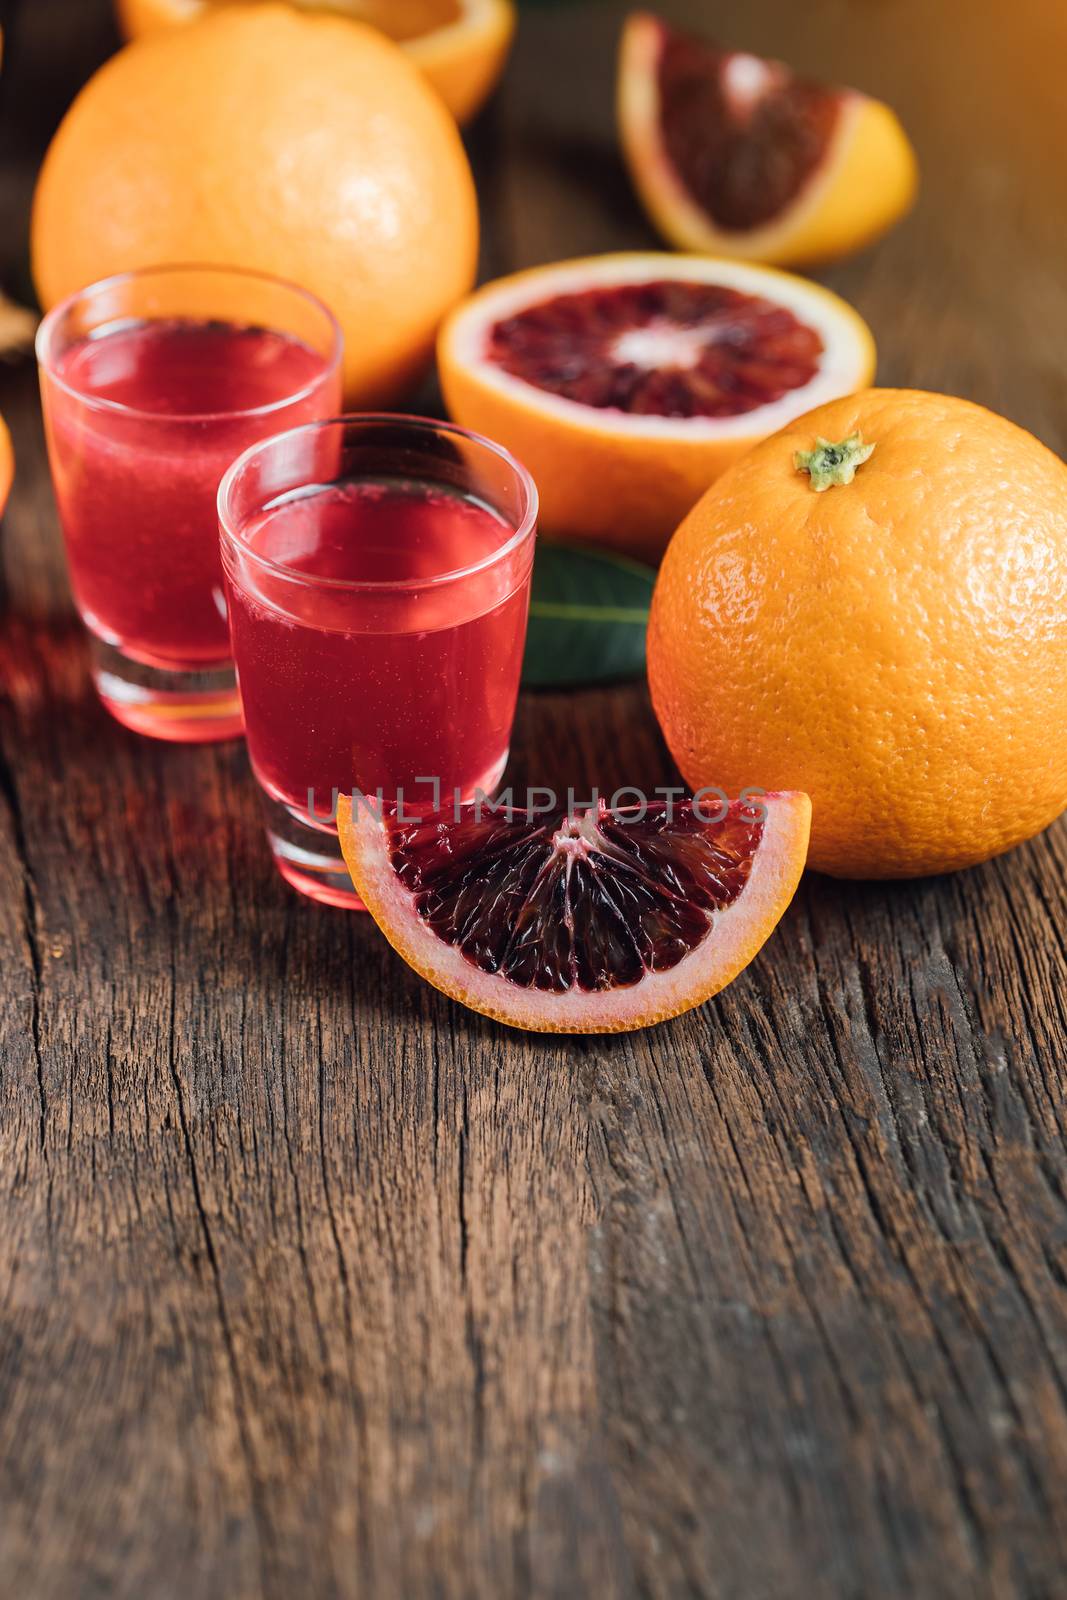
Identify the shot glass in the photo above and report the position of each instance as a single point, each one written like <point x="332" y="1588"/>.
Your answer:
<point x="152" y="383"/>
<point x="378" y="582"/>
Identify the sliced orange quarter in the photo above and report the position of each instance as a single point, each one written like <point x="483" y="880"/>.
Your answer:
<point x="601" y="922"/>
<point x="733" y="154"/>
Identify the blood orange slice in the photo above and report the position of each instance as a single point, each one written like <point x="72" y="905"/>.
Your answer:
<point x="736" y="155"/>
<point x="593" y="923"/>
<point x="628" y="383"/>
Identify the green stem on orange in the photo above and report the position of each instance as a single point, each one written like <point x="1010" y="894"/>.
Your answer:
<point x="831" y="464"/>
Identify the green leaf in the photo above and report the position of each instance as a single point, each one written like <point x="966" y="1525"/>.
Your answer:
<point x="588" y="614"/>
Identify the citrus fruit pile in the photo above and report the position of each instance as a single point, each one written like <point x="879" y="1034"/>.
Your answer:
<point x="306" y="146"/>
<point x="735" y="155"/>
<point x="872" y="606"/>
<point x="866" y="599"/>
<point x="628" y="383"/>
<point x="593" y="923"/>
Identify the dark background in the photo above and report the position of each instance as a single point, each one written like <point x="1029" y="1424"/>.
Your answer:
<point x="312" y="1283"/>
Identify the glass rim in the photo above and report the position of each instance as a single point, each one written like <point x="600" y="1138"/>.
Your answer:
<point x="51" y="320"/>
<point x="360" y="419"/>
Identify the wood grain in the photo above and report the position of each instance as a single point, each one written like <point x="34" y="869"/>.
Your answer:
<point x="312" y="1284"/>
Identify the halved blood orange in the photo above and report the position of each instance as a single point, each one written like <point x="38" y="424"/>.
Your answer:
<point x="628" y="383"/>
<point x="593" y="923"/>
<point x="459" y="45"/>
<point x="736" y="155"/>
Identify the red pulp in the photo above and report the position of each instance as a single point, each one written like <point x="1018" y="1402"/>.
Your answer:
<point x="665" y="349"/>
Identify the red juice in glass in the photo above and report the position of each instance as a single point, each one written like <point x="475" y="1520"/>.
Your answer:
<point x="145" y="407"/>
<point x="378" y="586"/>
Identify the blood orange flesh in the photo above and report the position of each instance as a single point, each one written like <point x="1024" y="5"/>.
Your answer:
<point x="744" y="135"/>
<point x="668" y="349"/>
<point x="598" y="922"/>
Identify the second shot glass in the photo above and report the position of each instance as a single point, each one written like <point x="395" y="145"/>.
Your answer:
<point x="152" y="382"/>
<point x="378" y="580"/>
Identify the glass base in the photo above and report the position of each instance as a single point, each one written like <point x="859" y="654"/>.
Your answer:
<point x="309" y="858"/>
<point x="196" y="707"/>
<point x="308" y="854"/>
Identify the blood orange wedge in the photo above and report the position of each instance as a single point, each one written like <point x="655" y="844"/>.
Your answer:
<point x="628" y="383"/>
<point x="735" y="155"/>
<point x="459" y="45"/>
<point x="593" y="923"/>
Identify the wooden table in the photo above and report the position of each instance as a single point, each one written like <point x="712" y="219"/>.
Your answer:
<point x="316" y="1285"/>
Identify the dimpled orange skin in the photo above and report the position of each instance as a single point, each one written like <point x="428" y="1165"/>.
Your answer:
<point x="303" y="145"/>
<point x="897" y="647"/>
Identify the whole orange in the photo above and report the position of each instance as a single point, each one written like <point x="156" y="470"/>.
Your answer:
<point x="302" y="145"/>
<point x="887" y="632"/>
